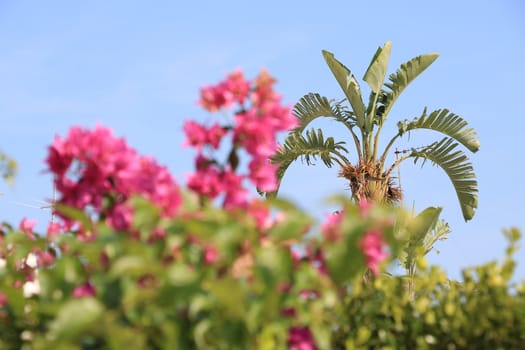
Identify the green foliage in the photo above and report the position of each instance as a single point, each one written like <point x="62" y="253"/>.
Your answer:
<point x="309" y="147"/>
<point x="483" y="311"/>
<point x="458" y="168"/>
<point x="349" y="85"/>
<point x="443" y="121"/>
<point x="8" y="167"/>
<point x="404" y="75"/>
<point x="164" y="294"/>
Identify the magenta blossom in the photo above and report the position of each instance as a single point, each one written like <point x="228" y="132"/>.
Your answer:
<point x="27" y="226"/>
<point x="237" y="85"/>
<point x="211" y="254"/>
<point x="96" y="172"/>
<point x="372" y="244"/>
<point x="198" y="135"/>
<point x="84" y="290"/>
<point x="214" y="98"/>
<point x="300" y="338"/>
<point x="263" y="174"/>
<point x="3" y="299"/>
<point x="331" y="227"/>
<point x="260" y="116"/>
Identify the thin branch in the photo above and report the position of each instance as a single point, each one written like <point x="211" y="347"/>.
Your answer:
<point x="387" y="148"/>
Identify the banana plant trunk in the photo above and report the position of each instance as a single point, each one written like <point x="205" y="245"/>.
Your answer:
<point x="368" y="180"/>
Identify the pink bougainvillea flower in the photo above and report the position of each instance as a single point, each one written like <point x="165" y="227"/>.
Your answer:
<point x="120" y="217"/>
<point x="214" y="98"/>
<point x="234" y="89"/>
<point x="84" y="290"/>
<point x="211" y="254"/>
<point x="155" y="183"/>
<point x="300" y="338"/>
<point x="237" y="85"/>
<point x="195" y="134"/>
<point x="260" y="212"/>
<point x="206" y="181"/>
<point x="45" y="258"/>
<point x="96" y="172"/>
<point x="263" y="91"/>
<point x="263" y="174"/>
<point x="372" y="244"/>
<point x="214" y="135"/>
<point x="198" y="135"/>
<point x="27" y="226"/>
<point x="254" y="133"/>
<point x="259" y="118"/>
<point x="235" y="194"/>
<point x="3" y="300"/>
<point x="364" y="205"/>
<point x="331" y="227"/>
<point x="53" y="230"/>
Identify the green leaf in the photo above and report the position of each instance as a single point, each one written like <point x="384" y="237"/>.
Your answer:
<point x="125" y="337"/>
<point x="230" y="297"/>
<point x="418" y="229"/>
<point x="349" y="85"/>
<point x="75" y="214"/>
<point x="423" y="223"/>
<point x="74" y="318"/>
<point x="312" y="106"/>
<point x="406" y="73"/>
<point x="458" y="168"/>
<point x="181" y="275"/>
<point x="446" y="122"/>
<point x="308" y="147"/>
<point x="145" y="214"/>
<point x="345" y="260"/>
<point x="129" y="266"/>
<point x="376" y="72"/>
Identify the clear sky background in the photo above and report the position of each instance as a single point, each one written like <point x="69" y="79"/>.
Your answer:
<point x="136" y="67"/>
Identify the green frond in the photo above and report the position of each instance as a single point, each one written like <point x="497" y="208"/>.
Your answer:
<point x="440" y="232"/>
<point x="458" y="168"/>
<point x="405" y="74"/>
<point x="349" y="85"/>
<point x="313" y="106"/>
<point x="308" y="148"/>
<point x="446" y="122"/>
<point x="376" y="72"/>
<point x="419" y="231"/>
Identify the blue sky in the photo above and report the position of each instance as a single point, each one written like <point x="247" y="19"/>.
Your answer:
<point x="137" y="68"/>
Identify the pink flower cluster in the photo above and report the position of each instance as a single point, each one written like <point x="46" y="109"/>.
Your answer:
<point x="300" y="338"/>
<point x="225" y="94"/>
<point x="96" y="172"/>
<point x="372" y="245"/>
<point x="84" y="291"/>
<point x="331" y="227"/>
<point x="259" y="117"/>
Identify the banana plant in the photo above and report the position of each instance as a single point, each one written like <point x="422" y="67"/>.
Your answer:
<point x="370" y="175"/>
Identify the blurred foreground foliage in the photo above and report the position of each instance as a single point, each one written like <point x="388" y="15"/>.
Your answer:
<point x="8" y="168"/>
<point x="169" y="293"/>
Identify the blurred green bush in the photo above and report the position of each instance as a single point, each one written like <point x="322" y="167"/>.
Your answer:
<point x="121" y="292"/>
